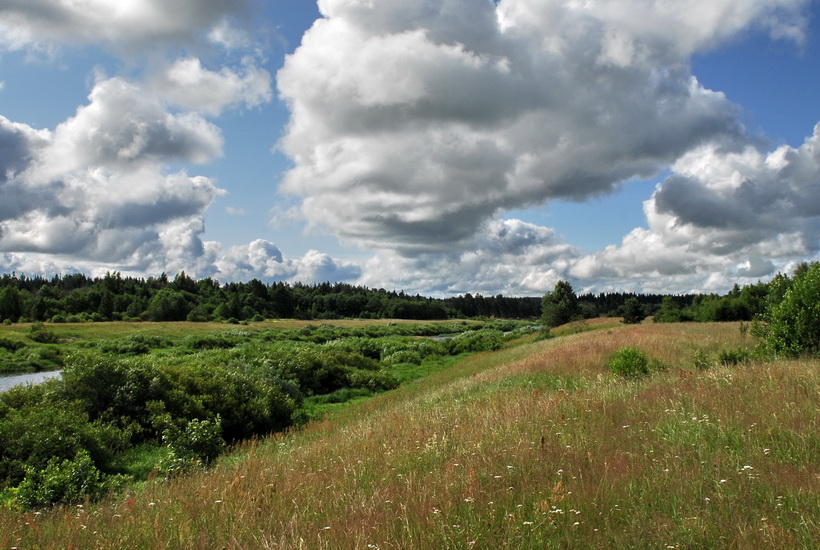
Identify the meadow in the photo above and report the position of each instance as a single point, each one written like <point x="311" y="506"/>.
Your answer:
<point x="534" y="445"/>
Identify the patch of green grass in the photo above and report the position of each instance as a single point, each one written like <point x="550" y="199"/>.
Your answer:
<point x="139" y="461"/>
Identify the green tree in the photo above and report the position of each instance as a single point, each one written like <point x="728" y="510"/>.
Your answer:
<point x="560" y="306"/>
<point x="669" y="312"/>
<point x="794" y="322"/>
<point x="11" y="304"/>
<point x="633" y="311"/>
<point x="167" y="305"/>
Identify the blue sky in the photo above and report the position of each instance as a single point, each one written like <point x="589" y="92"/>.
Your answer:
<point x="436" y="147"/>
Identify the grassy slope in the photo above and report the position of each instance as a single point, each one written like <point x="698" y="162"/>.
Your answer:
<point x="535" y="446"/>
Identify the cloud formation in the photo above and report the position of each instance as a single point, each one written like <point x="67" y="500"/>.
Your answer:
<point x="132" y="24"/>
<point x="739" y="212"/>
<point x="413" y="123"/>
<point x="416" y="125"/>
<point x="104" y="189"/>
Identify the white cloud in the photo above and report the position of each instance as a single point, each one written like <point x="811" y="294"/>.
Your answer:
<point x="742" y="213"/>
<point x="508" y="256"/>
<point x="189" y="85"/>
<point x="132" y="25"/>
<point x="415" y="124"/>
<point x="96" y="189"/>
<point x="263" y="260"/>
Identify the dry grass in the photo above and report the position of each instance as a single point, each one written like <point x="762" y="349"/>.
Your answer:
<point x="535" y="446"/>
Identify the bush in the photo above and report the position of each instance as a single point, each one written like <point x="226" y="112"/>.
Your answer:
<point x="794" y="322"/>
<point x="209" y="342"/>
<point x="133" y="344"/>
<point x="40" y="334"/>
<point x="701" y="360"/>
<point x="629" y="363"/>
<point x="201" y="440"/>
<point x="731" y="357"/>
<point x="64" y="481"/>
<point x="11" y="345"/>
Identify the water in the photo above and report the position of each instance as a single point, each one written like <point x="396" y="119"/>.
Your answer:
<point x="9" y="381"/>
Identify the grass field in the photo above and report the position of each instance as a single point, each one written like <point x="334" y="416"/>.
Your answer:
<point x="534" y="446"/>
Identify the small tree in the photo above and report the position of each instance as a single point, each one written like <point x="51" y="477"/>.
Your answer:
<point x="560" y="306"/>
<point x="633" y="311"/>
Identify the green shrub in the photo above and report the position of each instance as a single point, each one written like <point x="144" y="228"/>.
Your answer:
<point x="372" y="380"/>
<point x="701" y="360"/>
<point x="133" y="344"/>
<point x="629" y="362"/>
<point x="11" y="345"/>
<point x="209" y="342"/>
<point x="64" y="481"/>
<point x="794" y="322"/>
<point x="731" y="357"/>
<point x="200" y="440"/>
<point x="40" y="334"/>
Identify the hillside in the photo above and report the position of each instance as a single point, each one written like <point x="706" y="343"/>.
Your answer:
<point x="537" y="445"/>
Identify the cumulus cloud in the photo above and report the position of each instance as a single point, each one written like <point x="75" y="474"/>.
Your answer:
<point x="129" y="25"/>
<point x="512" y="256"/>
<point x="741" y="212"/>
<point x="186" y="83"/>
<point x="98" y="192"/>
<point x="96" y="187"/>
<point x="413" y="123"/>
<point x="416" y="125"/>
<point x="263" y="260"/>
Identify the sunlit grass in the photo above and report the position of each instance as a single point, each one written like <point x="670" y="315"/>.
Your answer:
<point x="536" y="446"/>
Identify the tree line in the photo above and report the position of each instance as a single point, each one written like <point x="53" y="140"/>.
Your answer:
<point x="80" y="298"/>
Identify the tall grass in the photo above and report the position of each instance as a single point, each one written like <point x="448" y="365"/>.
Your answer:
<point x="536" y="446"/>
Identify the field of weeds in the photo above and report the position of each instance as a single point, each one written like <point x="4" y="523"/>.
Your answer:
<point x="535" y="446"/>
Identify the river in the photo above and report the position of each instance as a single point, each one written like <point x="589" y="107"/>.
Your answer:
<point x="9" y="381"/>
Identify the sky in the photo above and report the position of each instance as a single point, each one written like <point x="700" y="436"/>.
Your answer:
<point x="432" y="146"/>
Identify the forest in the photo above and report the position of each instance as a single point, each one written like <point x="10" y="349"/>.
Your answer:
<point x="77" y="298"/>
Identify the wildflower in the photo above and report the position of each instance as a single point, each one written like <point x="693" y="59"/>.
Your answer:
<point x="527" y="523"/>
